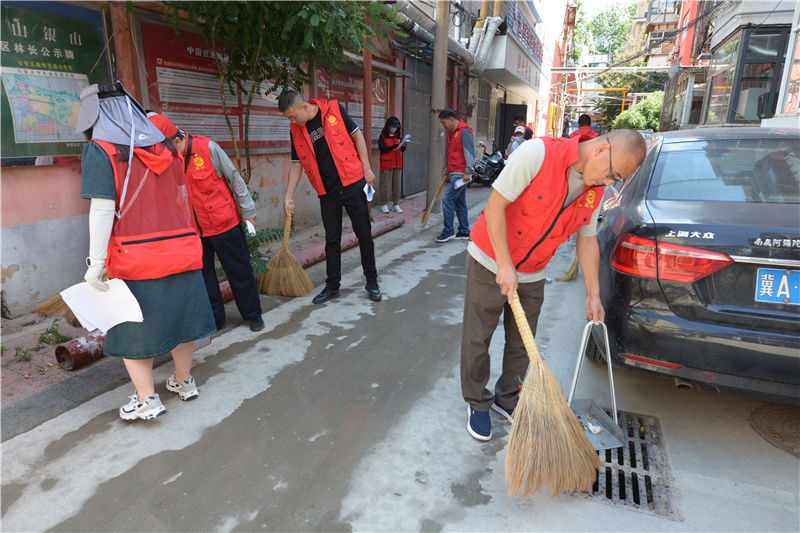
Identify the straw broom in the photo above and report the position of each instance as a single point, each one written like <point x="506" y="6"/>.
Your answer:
<point x="572" y="273"/>
<point x="285" y="274"/>
<point x="433" y="202"/>
<point x="56" y="306"/>
<point x="547" y="446"/>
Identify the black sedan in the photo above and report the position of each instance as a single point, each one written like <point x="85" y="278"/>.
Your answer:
<point x="700" y="268"/>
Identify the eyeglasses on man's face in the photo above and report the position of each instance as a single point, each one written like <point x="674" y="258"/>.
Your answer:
<point x="611" y="166"/>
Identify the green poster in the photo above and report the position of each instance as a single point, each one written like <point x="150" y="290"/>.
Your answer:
<point x="46" y="60"/>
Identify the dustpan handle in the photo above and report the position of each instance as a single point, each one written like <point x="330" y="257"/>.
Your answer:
<point x="584" y="343"/>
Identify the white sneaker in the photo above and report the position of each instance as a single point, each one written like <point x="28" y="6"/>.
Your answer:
<point x="397" y="209"/>
<point x="187" y="390"/>
<point x="148" y="410"/>
<point x="384" y="209"/>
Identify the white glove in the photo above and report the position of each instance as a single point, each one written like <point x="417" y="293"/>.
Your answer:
<point x="94" y="275"/>
<point x="101" y="220"/>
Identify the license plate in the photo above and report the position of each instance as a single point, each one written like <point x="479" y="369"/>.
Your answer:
<point x="778" y="286"/>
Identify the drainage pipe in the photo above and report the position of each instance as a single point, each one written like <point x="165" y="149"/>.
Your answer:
<point x="683" y="384"/>
<point x="80" y="351"/>
<point x="421" y="19"/>
<point x="492" y="23"/>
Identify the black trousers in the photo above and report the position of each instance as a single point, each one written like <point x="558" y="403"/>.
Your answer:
<point x="354" y="201"/>
<point x="231" y="248"/>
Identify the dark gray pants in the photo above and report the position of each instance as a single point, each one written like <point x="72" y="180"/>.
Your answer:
<point x="483" y="305"/>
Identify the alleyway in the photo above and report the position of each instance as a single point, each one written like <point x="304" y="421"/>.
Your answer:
<point x="348" y="416"/>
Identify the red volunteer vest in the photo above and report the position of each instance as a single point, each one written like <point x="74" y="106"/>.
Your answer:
<point x="537" y="223"/>
<point x="584" y="132"/>
<point x="215" y="209"/>
<point x="393" y="159"/>
<point x="455" y="150"/>
<point x="341" y="145"/>
<point x="154" y="236"/>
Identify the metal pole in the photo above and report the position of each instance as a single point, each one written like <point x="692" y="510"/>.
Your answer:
<point x="438" y="88"/>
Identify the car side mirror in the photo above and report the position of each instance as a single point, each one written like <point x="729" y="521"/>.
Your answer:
<point x="481" y="144"/>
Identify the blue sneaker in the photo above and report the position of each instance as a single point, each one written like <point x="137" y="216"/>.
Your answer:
<point x="444" y="237"/>
<point x="504" y="412"/>
<point x="479" y="424"/>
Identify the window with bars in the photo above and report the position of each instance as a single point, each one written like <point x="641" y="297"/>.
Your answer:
<point x="484" y="95"/>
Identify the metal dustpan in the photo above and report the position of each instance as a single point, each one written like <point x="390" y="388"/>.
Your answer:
<point x="603" y="432"/>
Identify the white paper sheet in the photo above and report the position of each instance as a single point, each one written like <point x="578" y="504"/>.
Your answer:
<point x="251" y="229"/>
<point x="406" y="139"/>
<point x="460" y="183"/>
<point x="102" y="310"/>
<point x="369" y="190"/>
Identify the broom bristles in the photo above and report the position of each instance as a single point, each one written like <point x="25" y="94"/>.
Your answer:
<point x="547" y="447"/>
<point x="572" y="273"/>
<point x="285" y="276"/>
<point x="56" y="306"/>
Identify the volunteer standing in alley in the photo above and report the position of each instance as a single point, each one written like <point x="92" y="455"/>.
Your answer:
<point x="140" y="229"/>
<point x="329" y="146"/>
<point x="218" y="193"/>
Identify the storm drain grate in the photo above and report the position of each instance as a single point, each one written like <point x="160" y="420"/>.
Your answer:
<point x="637" y="475"/>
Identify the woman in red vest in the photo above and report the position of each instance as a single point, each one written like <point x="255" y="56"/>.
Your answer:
<point x="391" y="145"/>
<point x="141" y="231"/>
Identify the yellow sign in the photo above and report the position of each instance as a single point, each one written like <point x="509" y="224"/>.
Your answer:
<point x="332" y="120"/>
<point x="199" y="163"/>
<point x="590" y="198"/>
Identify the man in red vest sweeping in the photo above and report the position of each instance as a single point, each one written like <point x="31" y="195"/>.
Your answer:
<point x="549" y="189"/>
<point x="459" y="159"/>
<point x="218" y="192"/>
<point x="329" y="146"/>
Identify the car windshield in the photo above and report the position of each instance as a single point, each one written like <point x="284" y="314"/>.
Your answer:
<point x="753" y="171"/>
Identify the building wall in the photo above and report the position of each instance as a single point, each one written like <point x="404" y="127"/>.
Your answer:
<point x="44" y="222"/>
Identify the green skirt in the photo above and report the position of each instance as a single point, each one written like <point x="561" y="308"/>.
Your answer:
<point x="176" y="309"/>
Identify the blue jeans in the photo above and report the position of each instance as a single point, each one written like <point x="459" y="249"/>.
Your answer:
<point x="454" y="203"/>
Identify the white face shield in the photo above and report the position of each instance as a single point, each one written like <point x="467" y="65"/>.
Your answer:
<point x="117" y="118"/>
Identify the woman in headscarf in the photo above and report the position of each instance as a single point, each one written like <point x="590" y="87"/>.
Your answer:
<point x="141" y="231"/>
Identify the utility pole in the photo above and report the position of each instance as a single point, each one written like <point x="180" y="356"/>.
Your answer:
<point x="438" y="88"/>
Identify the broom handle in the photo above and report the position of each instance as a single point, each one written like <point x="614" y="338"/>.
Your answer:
<point x="287" y="229"/>
<point x="428" y="210"/>
<point x="525" y="329"/>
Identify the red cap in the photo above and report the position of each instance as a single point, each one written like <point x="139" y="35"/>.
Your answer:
<point x="164" y="124"/>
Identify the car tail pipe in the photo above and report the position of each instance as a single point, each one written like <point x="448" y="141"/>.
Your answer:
<point x="684" y="384"/>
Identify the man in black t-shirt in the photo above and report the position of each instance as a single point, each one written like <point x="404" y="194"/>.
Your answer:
<point x="335" y="158"/>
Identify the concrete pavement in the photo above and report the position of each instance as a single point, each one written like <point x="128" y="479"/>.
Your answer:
<point x="348" y="416"/>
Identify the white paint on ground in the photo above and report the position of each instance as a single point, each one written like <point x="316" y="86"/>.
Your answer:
<point x="318" y="435"/>
<point x="173" y="478"/>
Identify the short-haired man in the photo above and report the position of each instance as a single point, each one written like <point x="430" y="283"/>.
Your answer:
<point x="218" y="192"/>
<point x="459" y="159"/>
<point x="584" y="131"/>
<point x="550" y="189"/>
<point x="519" y="120"/>
<point x="329" y="146"/>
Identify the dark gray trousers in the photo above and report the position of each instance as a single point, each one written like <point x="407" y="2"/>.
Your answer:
<point x="483" y="305"/>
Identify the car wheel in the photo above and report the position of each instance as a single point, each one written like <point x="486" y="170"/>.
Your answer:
<point x="593" y="352"/>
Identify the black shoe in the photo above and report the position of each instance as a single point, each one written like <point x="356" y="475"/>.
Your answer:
<point x="257" y="324"/>
<point x="326" y="294"/>
<point x="374" y="292"/>
<point x="463" y="236"/>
